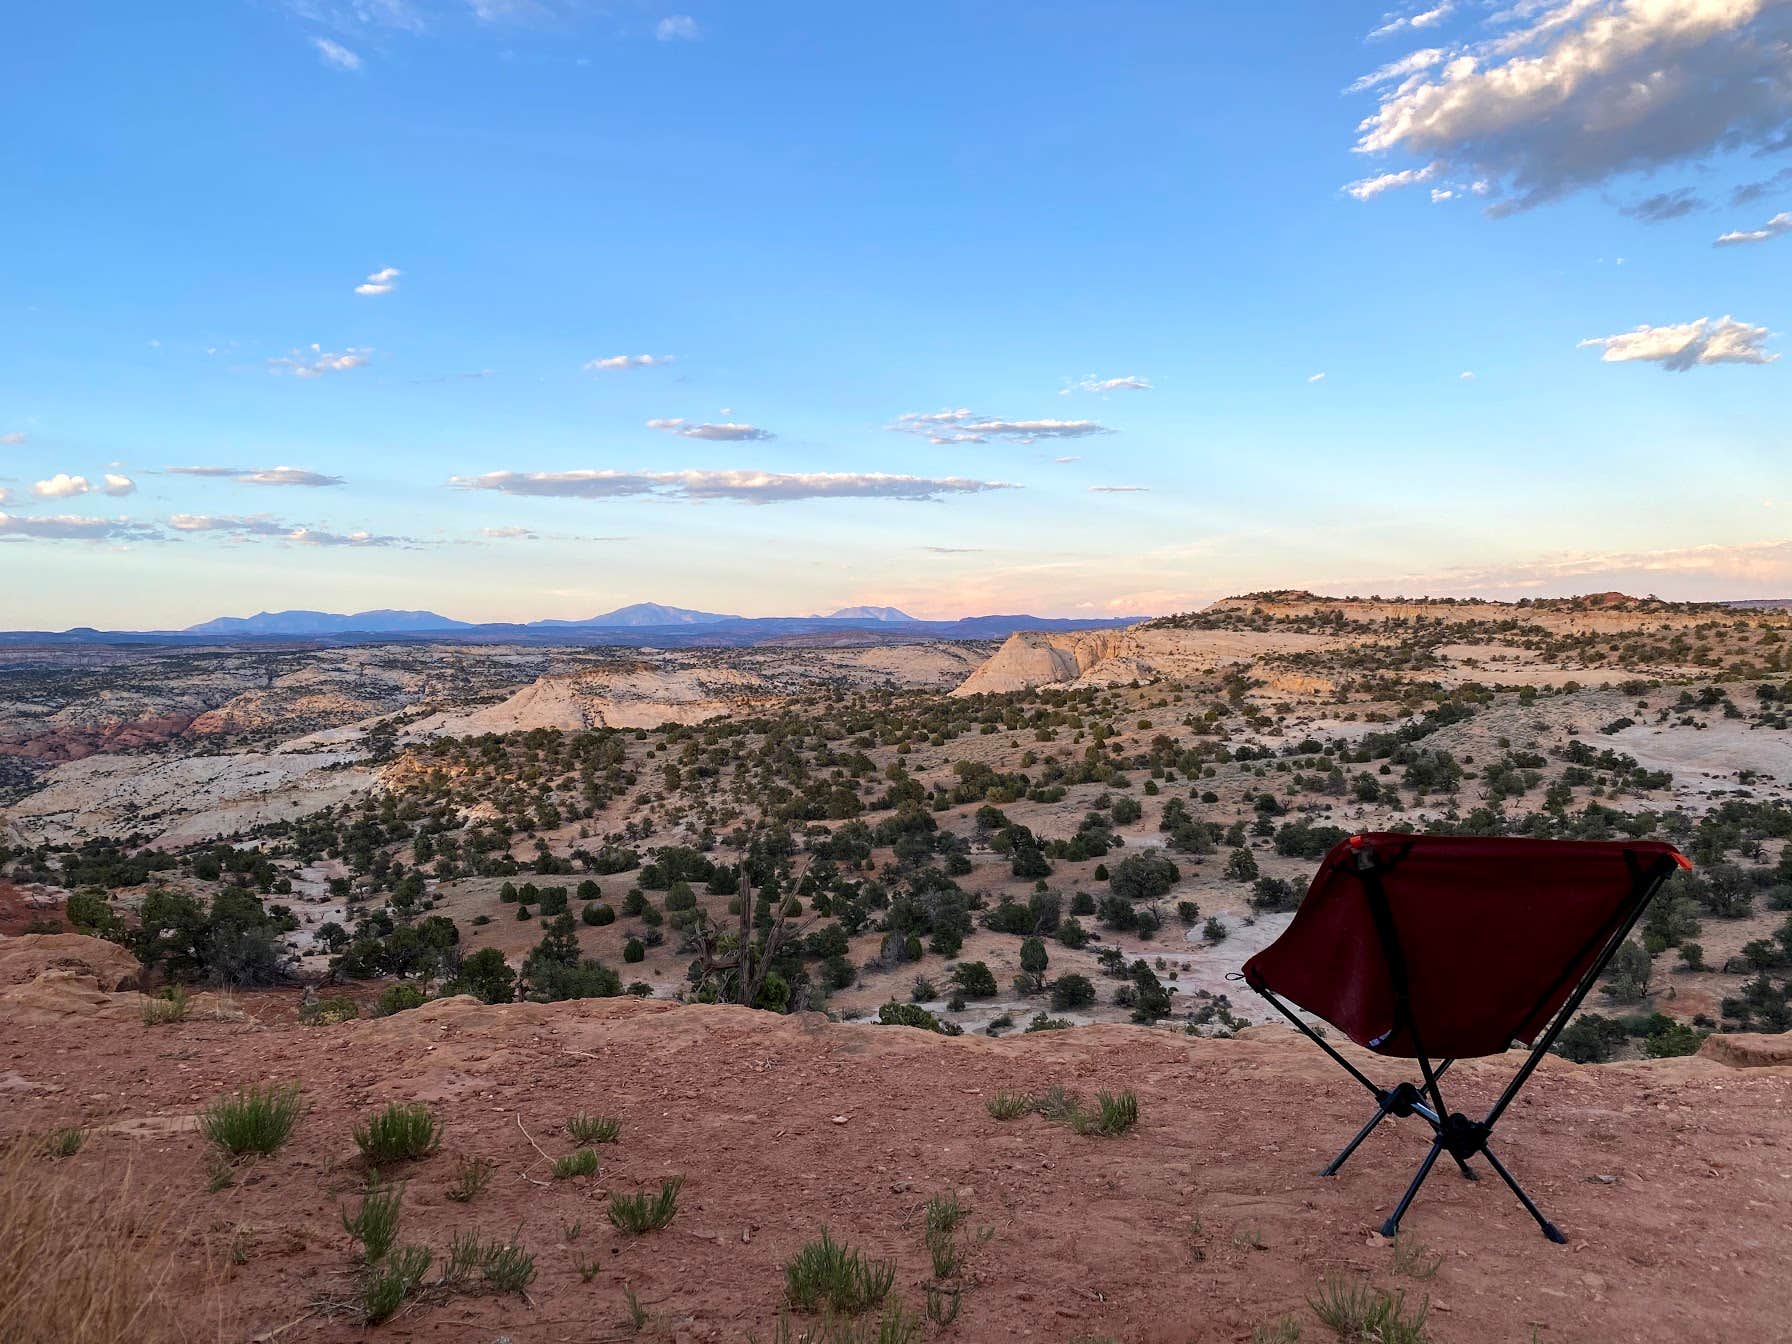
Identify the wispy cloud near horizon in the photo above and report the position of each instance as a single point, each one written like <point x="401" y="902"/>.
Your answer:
<point x="749" y="487"/>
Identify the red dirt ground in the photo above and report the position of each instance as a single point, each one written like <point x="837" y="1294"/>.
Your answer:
<point x="1673" y="1180"/>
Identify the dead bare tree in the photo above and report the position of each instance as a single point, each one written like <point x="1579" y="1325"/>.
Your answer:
<point x="749" y="971"/>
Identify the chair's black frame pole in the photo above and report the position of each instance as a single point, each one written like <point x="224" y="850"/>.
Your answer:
<point x="1454" y="1132"/>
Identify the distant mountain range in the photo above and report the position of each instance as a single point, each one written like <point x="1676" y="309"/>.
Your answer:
<point x="642" y="624"/>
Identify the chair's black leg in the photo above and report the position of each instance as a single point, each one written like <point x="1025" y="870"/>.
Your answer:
<point x="1381" y="1113"/>
<point x="1468" y="1172"/>
<point x="1549" y="1229"/>
<point x="1392" y="1225"/>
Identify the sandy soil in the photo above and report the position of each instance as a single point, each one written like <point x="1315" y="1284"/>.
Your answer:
<point x="1671" y="1179"/>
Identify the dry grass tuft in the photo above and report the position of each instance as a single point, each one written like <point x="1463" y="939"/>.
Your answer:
<point x="84" y="1257"/>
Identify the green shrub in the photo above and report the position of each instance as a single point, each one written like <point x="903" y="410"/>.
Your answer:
<point x="328" y="1012"/>
<point x="598" y="914"/>
<point x="1009" y="1105"/>
<point x="398" y="999"/>
<point x="1361" y="1314"/>
<point x="401" y="1132"/>
<point x="586" y="1128"/>
<point x="470" y="1179"/>
<point x="65" y="1142"/>
<point x="254" y="1120"/>
<point x="913" y="1015"/>
<point x="385" y="1292"/>
<point x="639" y="1214"/>
<point x="168" y="1006"/>
<point x="508" y="1267"/>
<point x="1112" y="1115"/>
<point x="375" y="1223"/>
<point x="825" y="1275"/>
<point x="582" y="1162"/>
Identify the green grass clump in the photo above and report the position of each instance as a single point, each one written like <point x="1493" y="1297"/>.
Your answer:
<point x="169" y="1006"/>
<point x="1009" y="1105"/>
<point x="1359" y="1313"/>
<point x="65" y="1142"/>
<point x="1111" y="1115"/>
<point x="385" y="1292"/>
<point x="586" y="1129"/>
<point x="826" y="1275"/>
<point x="1057" y="1103"/>
<point x="641" y="1213"/>
<point x="404" y="1130"/>
<point x="895" y="1324"/>
<point x="470" y="1179"/>
<point x="580" y="1163"/>
<point x="253" y="1120"/>
<point x="508" y="1267"/>
<point x="375" y="1223"/>
<point x="1282" y="1330"/>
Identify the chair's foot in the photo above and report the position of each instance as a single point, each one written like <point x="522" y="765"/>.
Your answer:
<point x="1554" y="1233"/>
<point x="1391" y="1228"/>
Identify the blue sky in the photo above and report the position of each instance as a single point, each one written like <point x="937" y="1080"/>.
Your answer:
<point x="1133" y="236"/>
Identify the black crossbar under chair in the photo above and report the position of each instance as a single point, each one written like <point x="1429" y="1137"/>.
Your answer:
<point x="1444" y="947"/>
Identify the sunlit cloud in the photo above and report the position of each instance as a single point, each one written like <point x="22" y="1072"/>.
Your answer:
<point x="382" y="281"/>
<point x="12" y="438"/>
<point x="1427" y="17"/>
<point x="62" y="486"/>
<point x="319" y="361"/>
<point x="963" y="426"/>
<point x="1129" y="383"/>
<point x="259" y="475"/>
<point x="678" y="28"/>
<point x="750" y="487"/>
<point x="1721" y="340"/>
<point x="1777" y="227"/>
<point x="725" y="433"/>
<point x="1559" y="95"/>
<point x="70" y="527"/>
<point x="615" y="363"/>
<point x="116" y="485"/>
<point x="335" y="54"/>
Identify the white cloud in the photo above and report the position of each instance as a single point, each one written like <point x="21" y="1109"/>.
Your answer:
<point x="1721" y="340"/>
<point x="71" y="527"/>
<point x="727" y="433"/>
<point x="319" y="362"/>
<point x="242" y="527"/>
<point x="752" y="487"/>
<point x="614" y="362"/>
<point x="12" y="439"/>
<point x="5" y="495"/>
<point x="1128" y="383"/>
<point x="1411" y="64"/>
<point x="254" y="524"/>
<point x="62" y="486"/>
<point x="1315" y="377"/>
<point x="508" y="533"/>
<point x="1425" y="18"/>
<point x="963" y="426"/>
<point x="1566" y="94"/>
<point x="119" y="485"/>
<point x="309" y="536"/>
<point x="1365" y="188"/>
<point x="1776" y="227"/>
<point x="1467" y="375"/>
<point x="678" y="28"/>
<point x="259" y="475"/>
<point x="335" y="54"/>
<point x="1119" y="489"/>
<point x="382" y="281"/>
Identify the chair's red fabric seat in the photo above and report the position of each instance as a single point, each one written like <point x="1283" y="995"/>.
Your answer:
<point x="1496" y="932"/>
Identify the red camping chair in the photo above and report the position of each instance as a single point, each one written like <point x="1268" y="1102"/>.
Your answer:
<point x="1449" y="947"/>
